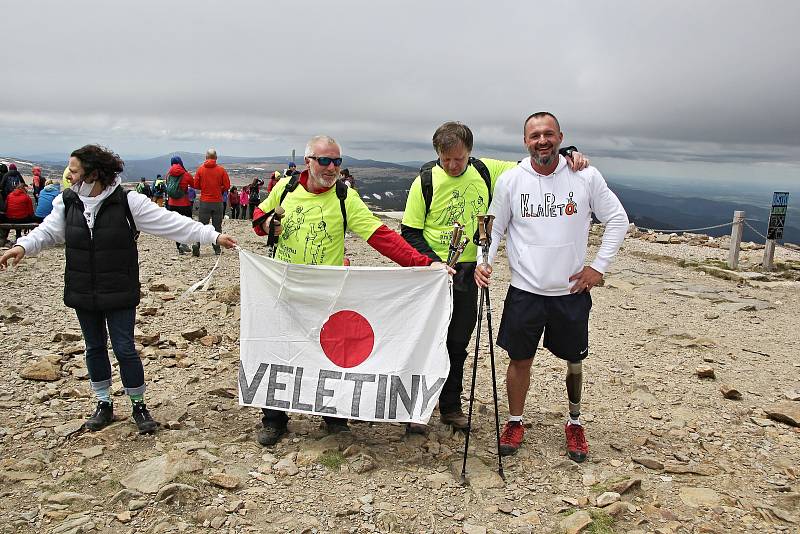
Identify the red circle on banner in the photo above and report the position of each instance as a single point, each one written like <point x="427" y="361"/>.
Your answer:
<point x="347" y="338"/>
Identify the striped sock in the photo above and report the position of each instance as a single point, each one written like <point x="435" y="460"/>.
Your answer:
<point x="103" y="394"/>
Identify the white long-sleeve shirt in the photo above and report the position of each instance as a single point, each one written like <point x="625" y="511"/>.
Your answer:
<point x="547" y="219"/>
<point x="148" y="216"/>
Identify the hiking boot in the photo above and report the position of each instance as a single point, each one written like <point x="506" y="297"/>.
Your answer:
<point x="455" y="419"/>
<point x="416" y="428"/>
<point x="577" y="446"/>
<point x="196" y="250"/>
<point x="337" y="426"/>
<point x="141" y="416"/>
<point x="183" y="248"/>
<point x="511" y="438"/>
<point x="269" y="435"/>
<point x="103" y="416"/>
<point x="217" y="249"/>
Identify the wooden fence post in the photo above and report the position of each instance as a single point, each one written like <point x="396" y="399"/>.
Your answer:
<point x="736" y="239"/>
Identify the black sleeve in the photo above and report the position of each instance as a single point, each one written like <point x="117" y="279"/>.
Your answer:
<point x="414" y="237"/>
<point x="567" y="151"/>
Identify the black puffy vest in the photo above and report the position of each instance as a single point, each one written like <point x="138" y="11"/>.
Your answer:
<point x="102" y="271"/>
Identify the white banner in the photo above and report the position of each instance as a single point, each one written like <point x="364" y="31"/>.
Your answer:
<point x="363" y="343"/>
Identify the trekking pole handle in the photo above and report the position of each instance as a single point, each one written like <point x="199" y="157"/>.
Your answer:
<point x="485" y="229"/>
<point x="274" y="224"/>
<point x="453" y="259"/>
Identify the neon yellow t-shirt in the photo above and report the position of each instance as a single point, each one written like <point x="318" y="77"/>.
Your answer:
<point x="313" y="233"/>
<point x="460" y="199"/>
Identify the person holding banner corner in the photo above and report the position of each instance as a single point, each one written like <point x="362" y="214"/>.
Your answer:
<point x="312" y="233"/>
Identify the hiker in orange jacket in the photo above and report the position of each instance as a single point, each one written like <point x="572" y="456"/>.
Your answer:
<point x="211" y="179"/>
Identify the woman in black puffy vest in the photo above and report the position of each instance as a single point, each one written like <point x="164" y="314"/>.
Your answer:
<point x="99" y="221"/>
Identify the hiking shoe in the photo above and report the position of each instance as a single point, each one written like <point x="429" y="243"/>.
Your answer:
<point x="196" y="250"/>
<point x="455" y="419"/>
<point x="103" y="416"/>
<point x="337" y="426"/>
<point x="184" y="248"/>
<point x="269" y="435"/>
<point x="416" y="428"/>
<point x="511" y="438"/>
<point x="141" y="416"/>
<point x="577" y="446"/>
<point x="217" y="250"/>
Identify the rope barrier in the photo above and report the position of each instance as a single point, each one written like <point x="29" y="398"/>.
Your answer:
<point x="765" y="237"/>
<point x="685" y="230"/>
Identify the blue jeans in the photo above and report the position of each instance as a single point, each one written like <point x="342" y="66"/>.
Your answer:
<point x="120" y="328"/>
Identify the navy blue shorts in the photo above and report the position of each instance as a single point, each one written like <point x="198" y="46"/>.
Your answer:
<point x="564" y="320"/>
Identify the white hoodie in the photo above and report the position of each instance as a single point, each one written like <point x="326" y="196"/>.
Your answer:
<point x="547" y="219"/>
<point x="148" y="216"/>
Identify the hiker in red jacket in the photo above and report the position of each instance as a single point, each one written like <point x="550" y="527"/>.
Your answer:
<point x="19" y="209"/>
<point x="178" y="200"/>
<point x="211" y="179"/>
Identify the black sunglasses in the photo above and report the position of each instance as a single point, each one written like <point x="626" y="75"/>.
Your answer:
<point x="325" y="161"/>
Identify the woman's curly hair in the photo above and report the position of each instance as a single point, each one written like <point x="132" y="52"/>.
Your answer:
<point x="97" y="158"/>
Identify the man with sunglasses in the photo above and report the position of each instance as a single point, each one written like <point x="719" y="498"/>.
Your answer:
<point x="315" y="212"/>
<point x="459" y="187"/>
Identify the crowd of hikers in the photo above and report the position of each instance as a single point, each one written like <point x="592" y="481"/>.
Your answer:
<point x="543" y="206"/>
<point x="27" y="203"/>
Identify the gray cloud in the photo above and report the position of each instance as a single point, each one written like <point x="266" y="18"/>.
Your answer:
<point x="675" y="82"/>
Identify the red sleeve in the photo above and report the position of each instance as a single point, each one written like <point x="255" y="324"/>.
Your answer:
<point x="390" y="244"/>
<point x="29" y="204"/>
<point x="186" y="181"/>
<point x="257" y="216"/>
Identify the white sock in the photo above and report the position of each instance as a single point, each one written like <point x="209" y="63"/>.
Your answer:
<point x="515" y="419"/>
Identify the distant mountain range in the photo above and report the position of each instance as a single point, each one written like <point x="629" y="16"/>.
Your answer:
<point x="385" y="185"/>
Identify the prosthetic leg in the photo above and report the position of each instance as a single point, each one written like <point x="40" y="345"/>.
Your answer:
<point x="574" y="388"/>
<point x="577" y="446"/>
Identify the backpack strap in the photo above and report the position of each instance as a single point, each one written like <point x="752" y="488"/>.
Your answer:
<point x="483" y="170"/>
<point x="291" y="186"/>
<point x="426" y="180"/>
<point x="129" y="216"/>
<point x="341" y="192"/>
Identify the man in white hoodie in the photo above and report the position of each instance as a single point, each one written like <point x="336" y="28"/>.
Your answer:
<point x="545" y="208"/>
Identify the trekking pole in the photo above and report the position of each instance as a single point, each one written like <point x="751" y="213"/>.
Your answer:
<point x="453" y="257"/>
<point x="274" y="224"/>
<point x="472" y="391"/>
<point x="455" y="241"/>
<point x="485" y="244"/>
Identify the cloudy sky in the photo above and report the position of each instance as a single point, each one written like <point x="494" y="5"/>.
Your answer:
<point x="682" y="88"/>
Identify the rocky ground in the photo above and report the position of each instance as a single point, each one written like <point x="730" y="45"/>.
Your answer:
<point x="690" y="405"/>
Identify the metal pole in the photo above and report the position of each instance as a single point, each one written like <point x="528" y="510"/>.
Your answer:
<point x="769" y="255"/>
<point x="472" y="391"/>
<point x="494" y="385"/>
<point x="736" y="239"/>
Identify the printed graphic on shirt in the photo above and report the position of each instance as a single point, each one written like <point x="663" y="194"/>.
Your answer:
<point x="312" y="236"/>
<point x="464" y="206"/>
<point x="549" y="206"/>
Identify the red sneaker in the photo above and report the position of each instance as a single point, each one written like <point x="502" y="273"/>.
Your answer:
<point x="511" y="438"/>
<point x="577" y="446"/>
